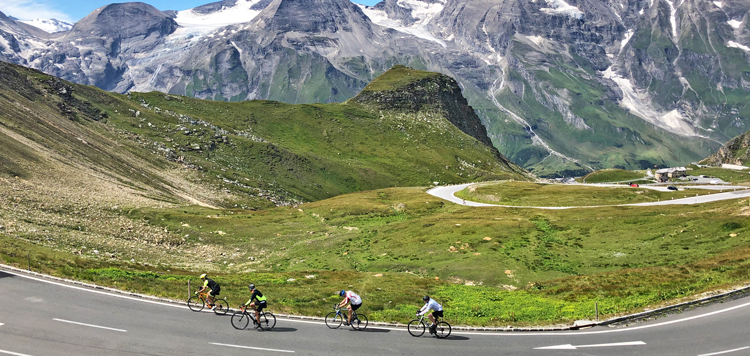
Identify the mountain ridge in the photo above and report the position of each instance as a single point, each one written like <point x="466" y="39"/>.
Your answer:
<point x="562" y="87"/>
<point x="249" y="155"/>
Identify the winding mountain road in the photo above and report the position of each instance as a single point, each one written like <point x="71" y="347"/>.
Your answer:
<point x="448" y="193"/>
<point x="46" y="317"/>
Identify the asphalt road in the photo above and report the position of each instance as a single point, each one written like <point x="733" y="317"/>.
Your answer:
<point x="41" y="317"/>
<point x="447" y="193"/>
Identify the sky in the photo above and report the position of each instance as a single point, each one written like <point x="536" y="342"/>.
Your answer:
<point x="74" y="10"/>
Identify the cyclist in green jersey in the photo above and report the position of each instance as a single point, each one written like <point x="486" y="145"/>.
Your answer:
<point x="260" y="305"/>
<point x="209" y="283"/>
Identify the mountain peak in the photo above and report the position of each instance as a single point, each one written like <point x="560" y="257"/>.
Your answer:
<point x="123" y="20"/>
<point x="407" y="89"/>
<point x="313" y="16"/>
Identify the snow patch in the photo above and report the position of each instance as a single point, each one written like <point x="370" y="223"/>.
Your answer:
<point x="423" y="12"/>
<point x="636" y="101"/>
<point x="50" y="25"/>
<point x="734" y="23"/>
<point x="719" y="4"/>
<point x="640" y="12"/>
<point x="241" y="12"/>
<point x="628" y="36"/>
<point x="237" y="48"/>
<point x="560" y="7"/>
<point x="673" y="18"/>
<point x="536" y="39"/>
<point x="737" y="45"/>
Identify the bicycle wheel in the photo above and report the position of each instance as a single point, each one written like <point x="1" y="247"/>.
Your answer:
<point x="334" y="320"/>
<point x="416" y="327"/>
<point x="240" y="320"/>
<point x="267" y="321"/>
<point x="222" y="307"/>
<point x="195" y="304"/>
<point x="442" y="330"/>
<point x="359" y="322"/>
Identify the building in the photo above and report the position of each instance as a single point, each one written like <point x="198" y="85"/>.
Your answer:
<point x="665" y="174"/>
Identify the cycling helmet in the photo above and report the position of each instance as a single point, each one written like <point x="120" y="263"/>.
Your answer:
<point x="251" y="286"/>
<point x="426" y="298"/>
<point x="341" y="294"/>
<point x="203" y="276"/>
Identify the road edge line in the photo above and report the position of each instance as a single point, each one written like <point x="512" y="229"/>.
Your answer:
<point x="182" y="304"/>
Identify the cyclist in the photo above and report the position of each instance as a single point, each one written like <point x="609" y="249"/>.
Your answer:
<point x="259" y="306"/>
<point x="437" y="311"/>
<point x="354" y="302"/>
<point x="209" y="283"/>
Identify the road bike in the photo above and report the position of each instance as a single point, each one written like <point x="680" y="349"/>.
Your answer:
<point x="197" y="302"/>
<point x="416" y="327"/>
<point x="337" y="316"/>
<point x="241" y="319"/>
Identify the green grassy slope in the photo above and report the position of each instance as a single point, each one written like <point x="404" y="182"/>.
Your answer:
<point x="94" y="186"/>
<point x="490" y="266"/>
<point x="257" y="153"/>
<point x="611" y="175"/>
<point x="541" y="194"/>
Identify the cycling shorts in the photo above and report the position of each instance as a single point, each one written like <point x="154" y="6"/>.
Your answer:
<point x="437" y="314"/>
<point x="214" y="292"/>
<point x="356" y="306"/>
<point x="260" y="306"/>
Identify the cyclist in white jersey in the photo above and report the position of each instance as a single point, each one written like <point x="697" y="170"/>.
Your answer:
<point x="437" y="311"/>
<point x="354" y="302"/>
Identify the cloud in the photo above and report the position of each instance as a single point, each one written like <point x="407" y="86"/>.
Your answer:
<point x="31" y="9"/>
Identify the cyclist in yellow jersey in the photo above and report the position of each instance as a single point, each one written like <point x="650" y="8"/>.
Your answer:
<point x="260" y="305"/>
<point x="209" y="283"/>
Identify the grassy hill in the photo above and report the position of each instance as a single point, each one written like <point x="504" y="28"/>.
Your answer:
<point x="252" y="154"/>
<point x="611" y="175"/>
<point x="146" y="191"/>
<point x="562" y="195"/>
<point x="489" y="266"/>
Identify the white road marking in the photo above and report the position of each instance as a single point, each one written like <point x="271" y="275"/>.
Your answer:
<point x="726" y="352"/>
<point x="12" y="353"/>
<point x="566" y="333"/>
<point x="1" y="324"/>
<point x="89" y="325"/>
<point x="96" y="291"/>
<point x="250" y="347"/>
<point x="574" y="347"/>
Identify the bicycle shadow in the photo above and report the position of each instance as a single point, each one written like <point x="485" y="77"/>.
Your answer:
<point x="282" y="330"/>
<point x="374" y="330"/>
<point x="6" y="275"/>
<point x="456" y="337"/>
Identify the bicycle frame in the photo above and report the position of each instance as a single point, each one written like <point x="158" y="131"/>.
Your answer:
<point x="253" y="315"/>
<point x="345" y="315"/>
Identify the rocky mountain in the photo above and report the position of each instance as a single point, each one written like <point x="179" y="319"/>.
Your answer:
<point x="736" y="151"/>
<point x="562" y="86"/>
<point x="172" y="149"/>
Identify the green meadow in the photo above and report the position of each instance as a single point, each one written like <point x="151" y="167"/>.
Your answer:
<point x="514" y="193"/>
<point x="488" y="266"/>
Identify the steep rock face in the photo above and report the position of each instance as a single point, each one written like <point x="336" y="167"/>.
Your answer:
<point x="431" y="92"/>
<point x="313" y="16"/>
<point x="736" y="151"/>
